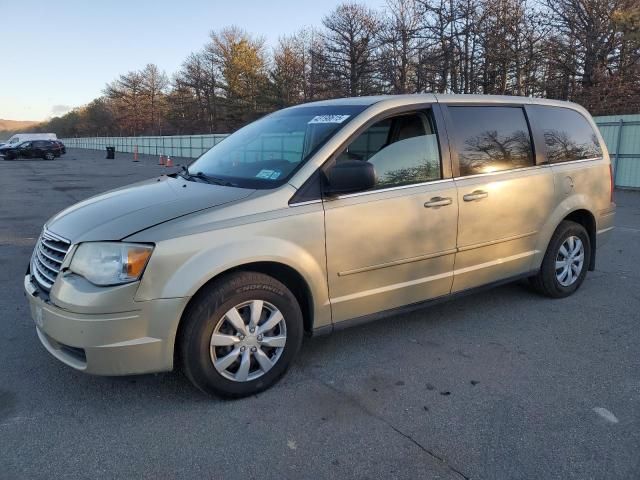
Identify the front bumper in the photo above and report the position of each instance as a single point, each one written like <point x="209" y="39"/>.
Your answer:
<point x="131" y="342"/>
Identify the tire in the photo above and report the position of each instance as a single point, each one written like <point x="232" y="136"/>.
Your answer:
<point x="211" y="311"/>
<point x="554" y="282"/>
<point x="49" y="156"/>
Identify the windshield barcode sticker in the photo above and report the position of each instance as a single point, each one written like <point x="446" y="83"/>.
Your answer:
<point x="329" y="119"/>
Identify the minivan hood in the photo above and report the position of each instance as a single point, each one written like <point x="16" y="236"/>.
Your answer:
<point x="119" y="213"/>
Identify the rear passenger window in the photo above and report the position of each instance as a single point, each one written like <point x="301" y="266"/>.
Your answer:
<point x="402" y="149"/>
<point x="491" y="139"/>
<point x="567" y="134"/>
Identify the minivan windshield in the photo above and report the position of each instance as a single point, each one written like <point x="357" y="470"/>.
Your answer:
<point x="267" y="152"/>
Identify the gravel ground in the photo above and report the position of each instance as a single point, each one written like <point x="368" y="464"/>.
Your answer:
<point x="500" y="384"/>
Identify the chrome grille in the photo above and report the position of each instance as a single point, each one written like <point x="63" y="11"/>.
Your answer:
<point x="47" y="259"/>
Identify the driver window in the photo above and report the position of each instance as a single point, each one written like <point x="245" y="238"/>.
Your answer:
<point x="403" y="150"/>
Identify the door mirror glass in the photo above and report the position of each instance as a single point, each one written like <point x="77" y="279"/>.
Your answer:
<point x="350" y="176"/>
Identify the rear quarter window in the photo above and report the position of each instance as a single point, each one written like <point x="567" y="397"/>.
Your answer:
<point x="567" y="134"/>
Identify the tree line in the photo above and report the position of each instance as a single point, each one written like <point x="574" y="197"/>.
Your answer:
<point x="586" y="51"/>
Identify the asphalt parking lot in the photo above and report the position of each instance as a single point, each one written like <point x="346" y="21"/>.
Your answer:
<point x="499" y="384"/>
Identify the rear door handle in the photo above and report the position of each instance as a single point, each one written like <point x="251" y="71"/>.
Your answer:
<point x="438" y="202"/>
<point x="475" y="195"/>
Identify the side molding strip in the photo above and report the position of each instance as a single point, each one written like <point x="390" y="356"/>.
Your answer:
<point x="398" y="262"/>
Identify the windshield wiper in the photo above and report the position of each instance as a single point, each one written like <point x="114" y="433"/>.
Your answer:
<point x="184" y="172"/>
<point x="207" y="178"/>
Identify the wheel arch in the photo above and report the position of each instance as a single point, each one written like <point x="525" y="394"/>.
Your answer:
<point x="577" y="209"/>
<point x="285" y="274"/>
<point x="585" y="218"/>
<point x="291" y="278"/>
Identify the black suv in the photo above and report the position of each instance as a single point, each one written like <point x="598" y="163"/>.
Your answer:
<point x="32" y="149"/>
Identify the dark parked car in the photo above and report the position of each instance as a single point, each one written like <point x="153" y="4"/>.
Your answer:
<point x="46" y="149"/>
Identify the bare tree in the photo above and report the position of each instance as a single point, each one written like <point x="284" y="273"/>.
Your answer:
<point x="400" y="43"/>
<point x="154" y="85"/>
<point x="591" y="41"/>
<point x="200" y="75"/>
<point x="127" y="96"/>
<point x="288" y="74"/>
<point x="242" y="62"/>
<point x="351" y="48"/>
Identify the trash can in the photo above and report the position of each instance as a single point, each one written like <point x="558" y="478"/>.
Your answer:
<point x="111" y="153"/>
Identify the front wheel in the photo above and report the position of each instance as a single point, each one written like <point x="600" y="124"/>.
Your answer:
<point x="49" y="156"/>
<point x="240" y="335"/>
<point x="565" y="262"/>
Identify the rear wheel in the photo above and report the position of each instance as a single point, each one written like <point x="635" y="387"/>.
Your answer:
<point x="240" y="335"/>
<point x="565" y="262"/>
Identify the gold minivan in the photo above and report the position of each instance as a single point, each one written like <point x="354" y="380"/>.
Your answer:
<point x="317" y="217"/>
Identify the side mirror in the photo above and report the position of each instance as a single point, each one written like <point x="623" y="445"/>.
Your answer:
<point x="350" y="176"/>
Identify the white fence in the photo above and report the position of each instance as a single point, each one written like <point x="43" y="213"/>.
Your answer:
<point x="283" y="146"/>
<point x="190" y="146"/>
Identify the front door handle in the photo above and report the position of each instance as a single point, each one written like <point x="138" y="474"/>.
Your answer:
<point x="475" y="195"/>
<point x="438" y="202"/>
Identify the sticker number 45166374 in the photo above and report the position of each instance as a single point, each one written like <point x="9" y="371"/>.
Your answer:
<point x="329" y="119"/>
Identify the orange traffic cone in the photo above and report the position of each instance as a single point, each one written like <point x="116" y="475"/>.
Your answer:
<point x="135" y="154"/>
<point x="169" y="162"/>
<point x="161" y="160"/>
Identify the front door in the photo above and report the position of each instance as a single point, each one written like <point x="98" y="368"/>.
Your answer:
<point x="504" y="198"/>
<point x="24" y="150"/>
<point x="395" y="244"/>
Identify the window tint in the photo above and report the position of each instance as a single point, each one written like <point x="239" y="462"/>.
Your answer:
<point x="40" y="144"/>
<point x="567" y="134"/>
<point x="490" y="139"/>
<point x="402" y="149"/>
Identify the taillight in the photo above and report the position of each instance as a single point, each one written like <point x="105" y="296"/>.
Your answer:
<point x="611" y="184"/>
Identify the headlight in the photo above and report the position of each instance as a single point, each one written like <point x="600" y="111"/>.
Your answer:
<point x="110" y="263"/>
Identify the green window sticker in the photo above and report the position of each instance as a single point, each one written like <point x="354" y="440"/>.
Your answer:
<point x="264" y="174"/>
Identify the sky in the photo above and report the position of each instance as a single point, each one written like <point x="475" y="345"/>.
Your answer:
<point x="59" y="54"/>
